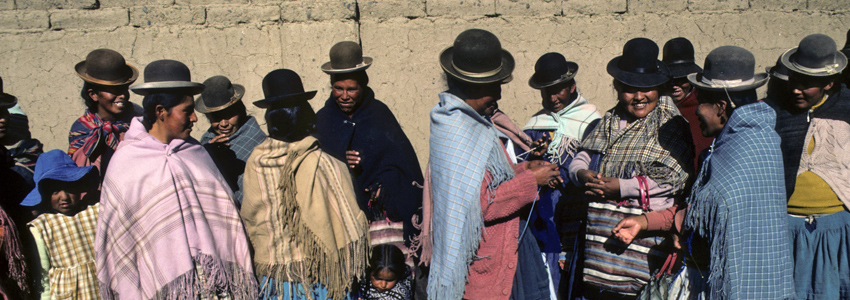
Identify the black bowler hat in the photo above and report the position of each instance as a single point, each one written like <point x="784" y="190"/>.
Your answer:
<point x="166" y="76"/>
<point x="817" y="55"/>
<point x="778" y="71"/>
<point x="477" y="57"/>
<point x="551" y="69"/>
<point x="678" y="55"/>
<point x="106" y="67"/>
<point x="283" y="86"/>
<point x="219" y="93"/>
<point x="6" y="100"/>
<point x="846" y="49"/>
<point x="639" y="65"/>
<point x="346" y="57"/>
<point x="729" y="68"/>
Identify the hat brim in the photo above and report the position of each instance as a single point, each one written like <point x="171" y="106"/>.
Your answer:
<point x="147" y="88"/>
<point x="639" y="79"/>
<point x="772" y="72"/>
<point x="503" y="76"/>
<point x="786" y="61"/>
<point x="269" y="102"/>
<point x="327" y="68"/>
<point x="759" y="79"/>
<point x="7" y="101"/>
<point x="63" y="173"/>
<point x="683" y="69"/>
<point x="81" y="71"/>
<point x="541" y="85"/>
<point x="238" y="92"/>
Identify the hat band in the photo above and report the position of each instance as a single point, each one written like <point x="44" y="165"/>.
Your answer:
<point x="831" y="68"/>
<point x="718" y="83"/>
<point x="477" y="75"/>
<point x="680" y="61"/>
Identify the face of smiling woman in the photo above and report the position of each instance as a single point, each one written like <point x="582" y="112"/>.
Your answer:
<point x="636" y="101"/>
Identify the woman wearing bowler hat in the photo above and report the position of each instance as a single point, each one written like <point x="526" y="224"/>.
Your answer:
<point x="106" y="79"/>
<point x="310" y="238"/>
<point x="638" y="159"/>
<point x="168" y="226"/>
<point x="735" y="217"/>
<point x="233" y="134"/>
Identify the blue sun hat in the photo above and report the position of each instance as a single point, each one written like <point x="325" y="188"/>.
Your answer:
<point x="56" y="165"/>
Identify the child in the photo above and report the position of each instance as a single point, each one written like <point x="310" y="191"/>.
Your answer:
<point x="389" y="276"/>
<point x="64" y="233"/>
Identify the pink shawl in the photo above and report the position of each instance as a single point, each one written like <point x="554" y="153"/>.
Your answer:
<point x="168" y="226"/>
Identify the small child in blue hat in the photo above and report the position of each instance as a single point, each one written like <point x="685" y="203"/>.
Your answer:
<point x="64" y="233"/>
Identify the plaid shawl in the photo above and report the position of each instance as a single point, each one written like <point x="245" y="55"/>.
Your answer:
<point x="242" y="142"/>
<point x="13" y="264"/>
<point x="569" y="125"/>
<point x="171" y="213"/>
<point x="464" y="146"/>
<point x="89" y="130"/>
<point x="738" y="207"/>
<point x="302" y="217"/>
<point x="658" y="146"/>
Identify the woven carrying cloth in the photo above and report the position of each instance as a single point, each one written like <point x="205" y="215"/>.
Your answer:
<point x="89" y="130"/>
<point x="738" y="207"/>
<point x="70" y="247"/>
<point x="302" y="217"/>
<point x="463" y="146"/>
<point x="658" y="146"/>
<point x="173" y="212"/>
<point x="567" y="124"/>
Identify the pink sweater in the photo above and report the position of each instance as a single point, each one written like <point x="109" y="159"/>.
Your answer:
<point x="491" y="275"/>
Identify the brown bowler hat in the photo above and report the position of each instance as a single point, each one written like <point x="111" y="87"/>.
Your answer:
<point x="346" y="57"/>
<point x="106" y="67"/>
<point x="219" y="93"/>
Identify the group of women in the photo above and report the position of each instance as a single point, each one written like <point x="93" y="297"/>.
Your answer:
<point x="629" y="199"/>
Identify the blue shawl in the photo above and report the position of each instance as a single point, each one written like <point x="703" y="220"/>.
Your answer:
<point x="464" y="146"/>
<point x="386" y="158"/>
<point x="230" y="160"/>
<point x="738" y="209"/>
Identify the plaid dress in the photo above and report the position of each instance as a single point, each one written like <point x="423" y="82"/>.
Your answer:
<point x="69" y="247"/>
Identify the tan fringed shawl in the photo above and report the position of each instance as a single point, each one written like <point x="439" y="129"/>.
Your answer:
<point x="302" y="217"/>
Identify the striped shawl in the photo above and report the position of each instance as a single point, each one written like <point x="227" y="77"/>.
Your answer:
<point x="302" y="217"/>
<point x="463" y="147"/>
<point x="170" y="213"/>
<point x="89" y="130"/>
<point x="658" y="146"/>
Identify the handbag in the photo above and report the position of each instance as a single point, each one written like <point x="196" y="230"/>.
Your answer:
<point x="659" y="285"/>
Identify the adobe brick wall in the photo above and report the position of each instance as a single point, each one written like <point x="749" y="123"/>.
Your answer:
<point x="41" y="40"/>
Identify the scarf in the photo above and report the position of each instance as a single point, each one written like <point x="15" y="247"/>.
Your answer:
<point x="387" y="158"/>
<point x="300" y="212"/>
<point x="738" y="207"/>
<point x="230" y="160"/>
<point x="792" y="128"/>
<point x="14" y="264"/>
<point x="657" y="146"/>
<point x="569" y="125"/>
<point x="505" y="125"/>
<point x="243" y="141"/>
<point x="90" y="129"/>
<point x="463" y="147"/>
<point x="167" y="223"/>
<point x="25" y="153"/>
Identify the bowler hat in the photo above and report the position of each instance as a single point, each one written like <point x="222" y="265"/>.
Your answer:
<point x="678" y="55"/>
<point x="846" y="49"/>
<point x="817" y="55"/>
<point x="346" y="57"/>
<point x="106" y="67"/>
<point x="283" y="86"/>
<point x="729" y="68"/>
<point x="551" y="69"/>
<point x="778" y="71"/>
<point x="56" y="165"/>
<point x="219" y="93"/>
<point x="167" y="75"/>
<point x="639" y="65"/>
<point x="6" y="100"/>
<point x="477" y="57"/>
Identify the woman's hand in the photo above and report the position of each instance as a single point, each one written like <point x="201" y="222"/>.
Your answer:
<point x="539" y="147"/>
<point x="546" y="174"/>
<point x="604" y="187"/>
<point x="353" y="158"/>
<point x="585" y="176"/>
<point x="221" y="139"/>
<point x="629" y="228"/>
